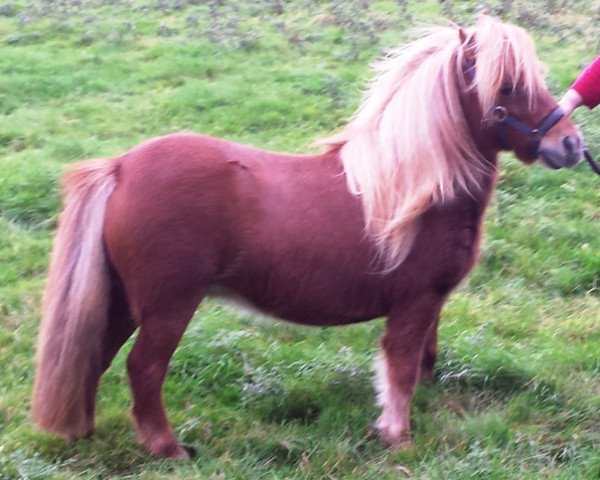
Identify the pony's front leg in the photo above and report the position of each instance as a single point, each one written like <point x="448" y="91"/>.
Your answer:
<point x="399" y="365"/>
<point x="147" y="367"/>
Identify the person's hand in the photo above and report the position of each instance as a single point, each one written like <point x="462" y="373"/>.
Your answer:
<point x="570" y="101"/>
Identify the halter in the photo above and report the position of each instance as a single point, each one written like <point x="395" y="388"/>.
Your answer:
<point x="505" y="120"/>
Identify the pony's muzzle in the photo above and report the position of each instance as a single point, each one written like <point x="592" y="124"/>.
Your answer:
<point x="561" y="152"/>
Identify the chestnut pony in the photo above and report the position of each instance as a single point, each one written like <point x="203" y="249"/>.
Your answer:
<point x="385" y="222"/>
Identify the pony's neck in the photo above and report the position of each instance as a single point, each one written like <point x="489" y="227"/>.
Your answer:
<point x="487" y="183"/>
<point x="485" y="143"/>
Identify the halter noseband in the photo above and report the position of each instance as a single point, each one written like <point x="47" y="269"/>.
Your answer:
<point x="505" y="120"/>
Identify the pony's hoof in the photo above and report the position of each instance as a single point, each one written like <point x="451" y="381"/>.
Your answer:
<point x="397" y="441"/>
<point x="178" y="452"/>
<point x="400" y="444"/>
<point x="191" y="451"/>
<point x="372" y="434"/>
<point x="79" y="436"/>
<point x="172" y="451"/>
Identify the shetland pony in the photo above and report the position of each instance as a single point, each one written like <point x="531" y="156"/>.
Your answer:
<point x="385" y="222"/>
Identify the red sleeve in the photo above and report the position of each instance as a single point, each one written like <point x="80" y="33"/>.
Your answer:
<point x="588" y="84"/>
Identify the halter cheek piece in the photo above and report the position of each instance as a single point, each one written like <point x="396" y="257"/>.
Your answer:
<point x="504" y="120"/>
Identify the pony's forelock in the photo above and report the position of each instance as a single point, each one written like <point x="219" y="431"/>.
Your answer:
<point x="408" y="145"/>
<point x="505" y="55"/>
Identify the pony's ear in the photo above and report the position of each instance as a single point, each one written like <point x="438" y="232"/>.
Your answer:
<point x="467" y="43"/>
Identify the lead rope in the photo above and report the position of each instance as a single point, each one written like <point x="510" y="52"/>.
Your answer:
<point x="591" y="161"/>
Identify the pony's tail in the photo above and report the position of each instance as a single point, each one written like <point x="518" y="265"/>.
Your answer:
<point x="75" y="306"/>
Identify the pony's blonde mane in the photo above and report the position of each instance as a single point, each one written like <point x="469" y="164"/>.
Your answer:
<point x="408" y="145"/>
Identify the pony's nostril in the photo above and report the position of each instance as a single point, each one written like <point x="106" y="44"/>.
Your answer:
<point x="569" y="144"/>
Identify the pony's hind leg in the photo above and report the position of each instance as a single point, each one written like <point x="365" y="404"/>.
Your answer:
<point x="429" y="353"/>
<point x="160" y="333"/>
<point x="399" y="364"/>
<point x="121" y="325"/>
<point x="119" y="328"/>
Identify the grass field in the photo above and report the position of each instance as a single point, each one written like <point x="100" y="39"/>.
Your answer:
<point x="517" y="394"/>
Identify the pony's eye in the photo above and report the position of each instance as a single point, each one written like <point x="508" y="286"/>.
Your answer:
<point x="506" y="90"/>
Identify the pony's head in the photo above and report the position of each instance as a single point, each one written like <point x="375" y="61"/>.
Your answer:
<point x="504" y="91"/>
<point x="434" y="119"/>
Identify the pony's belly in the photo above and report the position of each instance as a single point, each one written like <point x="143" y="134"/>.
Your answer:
<point x="302" y="310"/>
<point x="236" y="302"/>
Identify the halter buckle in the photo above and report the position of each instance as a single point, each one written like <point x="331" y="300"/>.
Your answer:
<point x="500" y="114"/>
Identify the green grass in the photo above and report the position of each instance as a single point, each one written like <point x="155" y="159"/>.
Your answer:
<point x="517" y="391"/>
